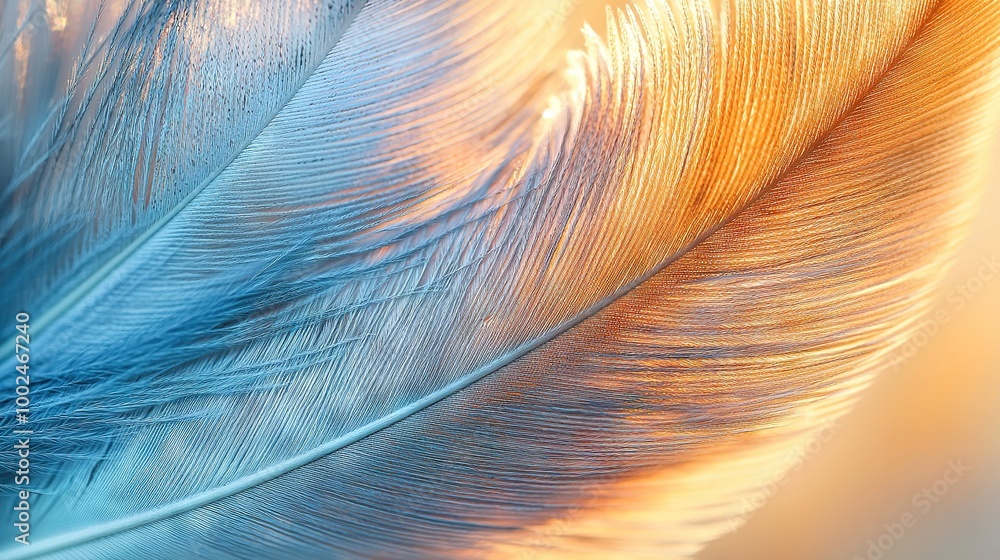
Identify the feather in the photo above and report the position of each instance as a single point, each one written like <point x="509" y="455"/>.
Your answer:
<point x="290" y="299"/>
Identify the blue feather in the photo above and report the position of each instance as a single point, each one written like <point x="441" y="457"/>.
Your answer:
<point x="399" y="279"/>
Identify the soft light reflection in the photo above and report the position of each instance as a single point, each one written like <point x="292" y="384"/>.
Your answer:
<point x="56" y="13"/>
<point x="672" y="513"/>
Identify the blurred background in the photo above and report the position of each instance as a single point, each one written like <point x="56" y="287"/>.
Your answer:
<point x="891" y="482"/>
<point x="938" y="404"/>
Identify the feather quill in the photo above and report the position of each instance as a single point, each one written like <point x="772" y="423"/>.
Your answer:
<point x="312" y="307"/>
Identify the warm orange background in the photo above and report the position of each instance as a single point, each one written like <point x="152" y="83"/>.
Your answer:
<point x="943" y="404"/>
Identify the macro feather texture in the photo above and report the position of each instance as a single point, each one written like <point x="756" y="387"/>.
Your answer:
<point x="415" y="280"/>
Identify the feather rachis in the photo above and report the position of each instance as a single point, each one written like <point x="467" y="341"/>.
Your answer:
<point x="547" y="316"/>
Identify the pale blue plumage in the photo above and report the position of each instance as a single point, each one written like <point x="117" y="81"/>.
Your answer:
<point x="271" y="307"/>
<point x="386" y="279"/>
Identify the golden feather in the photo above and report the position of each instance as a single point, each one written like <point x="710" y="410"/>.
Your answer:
<point x="445" y="290"/>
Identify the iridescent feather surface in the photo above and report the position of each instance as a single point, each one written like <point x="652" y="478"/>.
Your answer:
<point x="454" y="278"/>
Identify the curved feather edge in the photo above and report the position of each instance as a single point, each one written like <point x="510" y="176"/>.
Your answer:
<point x="918" y="282"/>
<point x="127" y="67"/>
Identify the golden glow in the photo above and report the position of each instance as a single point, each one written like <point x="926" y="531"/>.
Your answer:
<point x="55" y="10"/>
